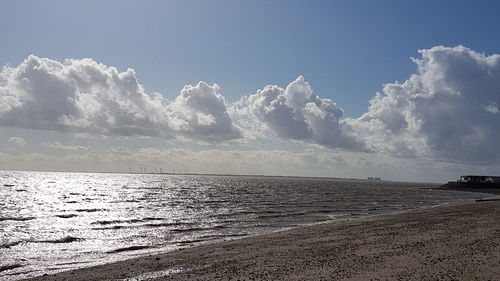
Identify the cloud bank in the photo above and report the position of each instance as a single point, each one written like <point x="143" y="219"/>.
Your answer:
<point x="296" y="113"/>
<point x="81" y="95"/>
<point x="448" y="110"/>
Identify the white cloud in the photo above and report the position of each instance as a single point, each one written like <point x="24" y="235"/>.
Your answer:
<point x="492" y="108"/>
<point x="17" y="141"/>
<point x="83" y="96"/>
<point x="58" y="145"/>
<point x="296" y="113"/>
<point x="447" y="111"/>
<point x="439" y="112"/>
<point x="200" y="112"/>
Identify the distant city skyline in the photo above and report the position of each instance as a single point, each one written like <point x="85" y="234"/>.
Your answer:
<point x="402" y="91"/>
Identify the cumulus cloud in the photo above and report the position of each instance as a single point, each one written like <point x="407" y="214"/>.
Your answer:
<point x="17" y="141"/>
<point x="448" y="110"/>
<point x="58" y="145"/>
<point x="200" y="112"/>
<point x="83" y="96"/>
<point x="296" y="113"/>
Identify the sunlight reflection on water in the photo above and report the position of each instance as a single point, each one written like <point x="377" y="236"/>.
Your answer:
<point x="57" y="221"/>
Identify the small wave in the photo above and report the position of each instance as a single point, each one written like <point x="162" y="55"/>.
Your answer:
<point x="9" y="267"/>
<point x="117" y="221"/>
<point x="106" y="222"/>
<point x="167" y="224"/>
<point x="220" y="226"/>
<point x="66" y="216"/>
<point x="358" y="214"/>
<point x="198" y="228"/>
<point x="9" y="185"/>
<point x="74" y="262"/>
<point x="124" y="201"/>
<point x="119" y="226"/>
<point x="215" y="202"/>
<point x="110" y="227"/>
<point x="322" y="211"/>
<point x="126" y="249"/>
<point x="140" y="187"/>
<point x="152" y="219"/>
<point x="247" y="212"/>
<point x="8" y="245"/>
<point x="188" y="229"/>
<point x="67" y="239"/>
<point x="90" y="210"/>
<point x="279" y="215"/>
<point x="16" y="218"/>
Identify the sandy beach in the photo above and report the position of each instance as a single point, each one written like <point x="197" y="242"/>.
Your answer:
<point x="453" y="242"/>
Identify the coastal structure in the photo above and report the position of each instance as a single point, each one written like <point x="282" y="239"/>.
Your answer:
<point x="474" y="181"/>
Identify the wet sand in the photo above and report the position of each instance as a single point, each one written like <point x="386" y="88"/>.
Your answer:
<point x="455" y="242"/>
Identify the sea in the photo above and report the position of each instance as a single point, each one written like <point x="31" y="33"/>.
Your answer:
<point x="51" y="222"/>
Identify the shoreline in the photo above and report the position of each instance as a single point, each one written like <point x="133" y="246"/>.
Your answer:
<point x="231" y="238"/>
<point x="102" y="245"/>
<point x="335" y="251"/>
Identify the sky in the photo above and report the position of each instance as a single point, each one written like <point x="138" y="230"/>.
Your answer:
<point x="397" y="89"/>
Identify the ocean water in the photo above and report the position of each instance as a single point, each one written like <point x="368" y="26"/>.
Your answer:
<point x="51" y="222"/>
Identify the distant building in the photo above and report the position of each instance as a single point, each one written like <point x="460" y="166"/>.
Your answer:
<point x="480" y="179"/>
<point x="374" y="178"/>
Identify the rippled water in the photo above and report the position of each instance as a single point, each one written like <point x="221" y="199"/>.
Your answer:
<point x="58" y="221"/>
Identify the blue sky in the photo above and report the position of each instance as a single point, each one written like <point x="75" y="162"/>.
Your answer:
<point x="346" y="49"/>
<point x="436" y="116"/>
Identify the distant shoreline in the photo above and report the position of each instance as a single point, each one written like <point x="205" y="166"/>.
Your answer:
<point x="226" y="175"/>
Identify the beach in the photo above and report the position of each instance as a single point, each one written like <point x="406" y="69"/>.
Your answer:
<point x="451" y="242"/>
<point x="106" y="218"/>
